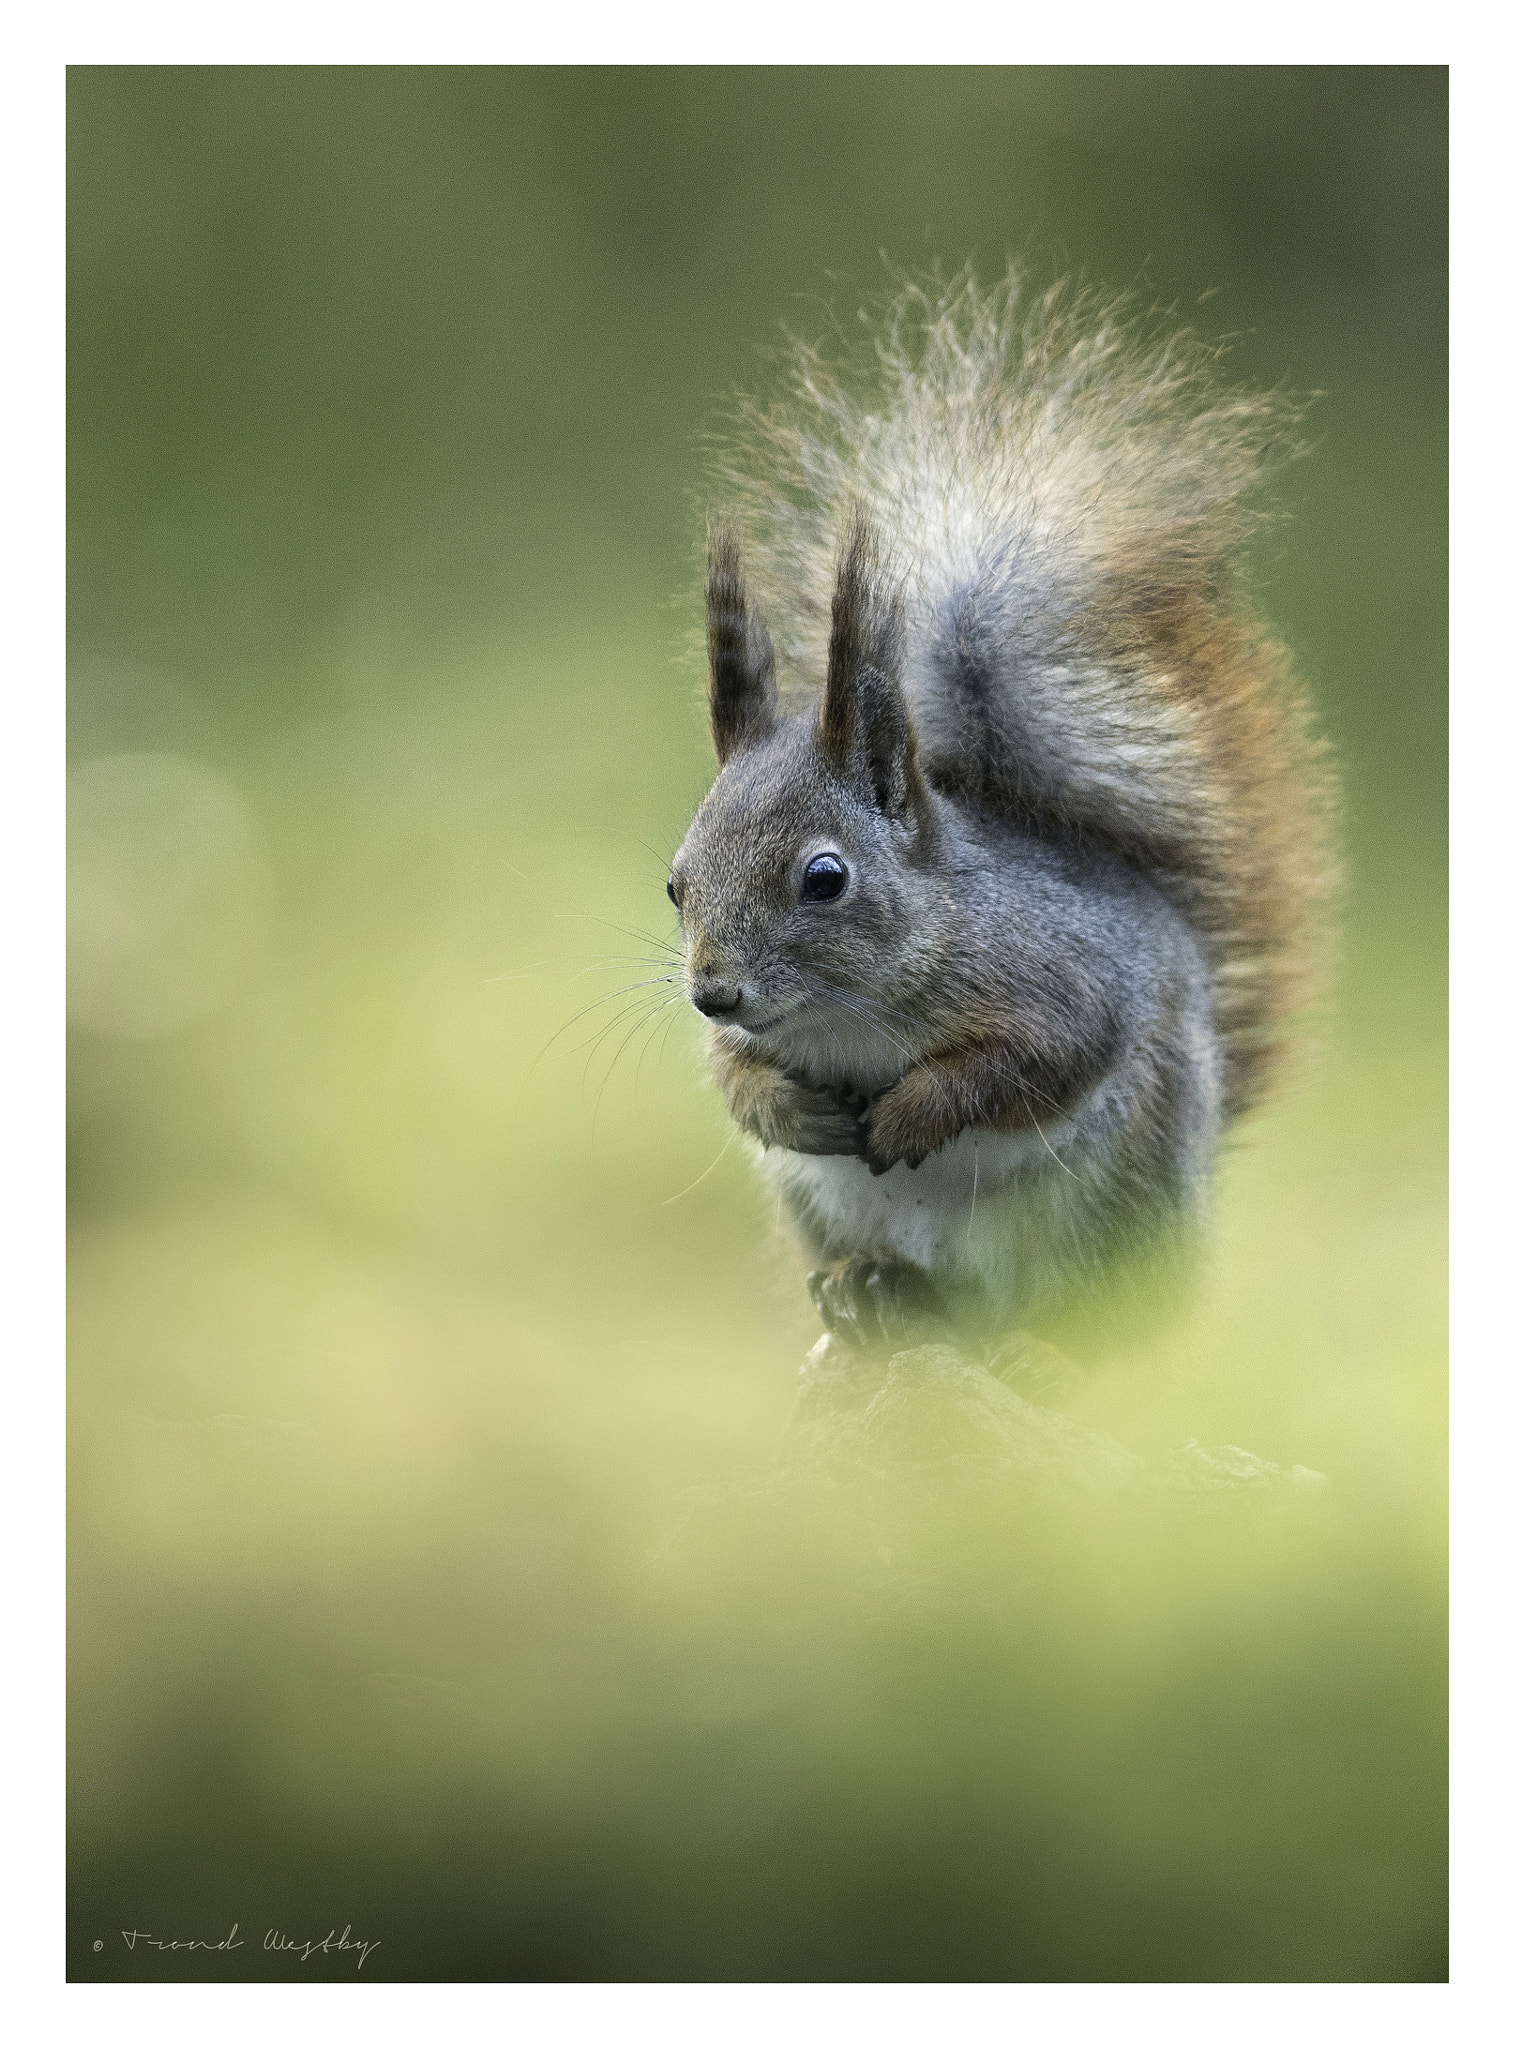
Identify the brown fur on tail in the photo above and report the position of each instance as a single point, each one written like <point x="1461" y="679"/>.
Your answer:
<point x="1255" y="869"/>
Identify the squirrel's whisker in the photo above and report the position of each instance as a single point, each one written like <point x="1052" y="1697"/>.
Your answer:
<point x="523" y="974"/>
<point x="653" y="981"/>
<point x="673" y="1008"/>
<point x="642" y="1023"/>
<point x="710" y="1169"/>
<point x="626" y="931"/>
<point x="1067" y="1169"/>
<point x="625" y="960"/>
<point x="645" y="1006"/>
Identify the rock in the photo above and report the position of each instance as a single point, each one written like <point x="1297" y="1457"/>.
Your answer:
<point x="937" y="1403"/>
<point x="922" y="1476"/>
<point x="1035" y="1370"/>
<point x="1216" y="1472"/>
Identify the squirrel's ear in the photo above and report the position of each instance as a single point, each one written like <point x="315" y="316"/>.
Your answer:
<point x="865" y="730"/>
<point x="744" y="699"/>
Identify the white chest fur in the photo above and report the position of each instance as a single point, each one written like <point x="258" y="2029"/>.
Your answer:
<point x="994" y="1209"/>
<point x="912" y="1211"/>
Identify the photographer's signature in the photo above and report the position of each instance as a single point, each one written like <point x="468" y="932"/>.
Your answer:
<point x="275" y="1941"/>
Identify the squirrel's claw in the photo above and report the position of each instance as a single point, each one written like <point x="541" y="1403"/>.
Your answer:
<point x="870" y="1300"/>
<point x="878" y="1162"/>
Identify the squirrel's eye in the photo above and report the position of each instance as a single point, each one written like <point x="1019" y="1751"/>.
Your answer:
<point x="825" y="879"/>
<point x="672" y="898"/>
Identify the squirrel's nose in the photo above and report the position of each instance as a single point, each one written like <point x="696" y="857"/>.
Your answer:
<point x="714" y="998"/>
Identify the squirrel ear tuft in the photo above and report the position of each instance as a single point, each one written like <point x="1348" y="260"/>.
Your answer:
<point x="865" y="729"/>
<point x="744" y="697"/>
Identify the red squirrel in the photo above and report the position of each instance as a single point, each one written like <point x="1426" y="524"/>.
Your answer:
<point x="1000" y="910"/>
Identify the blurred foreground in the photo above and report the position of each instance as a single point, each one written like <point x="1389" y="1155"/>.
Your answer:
<point x="442" y="1567"/>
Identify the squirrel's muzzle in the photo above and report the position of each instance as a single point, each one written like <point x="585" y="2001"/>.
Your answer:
<point x="713" y="997"/>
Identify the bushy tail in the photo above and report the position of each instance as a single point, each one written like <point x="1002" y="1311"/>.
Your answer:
<point x="1064" y="491"/>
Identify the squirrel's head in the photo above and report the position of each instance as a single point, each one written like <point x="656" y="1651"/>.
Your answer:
<point x="803" y="886"/>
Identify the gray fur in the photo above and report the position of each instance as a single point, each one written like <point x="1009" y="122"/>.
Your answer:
<point x="1072" y="787"/>
<point x="1097" y="986"/>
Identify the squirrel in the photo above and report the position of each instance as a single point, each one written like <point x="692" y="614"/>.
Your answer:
<point x="999" y="914"/>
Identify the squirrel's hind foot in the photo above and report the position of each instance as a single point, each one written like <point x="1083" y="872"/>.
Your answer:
<point x="865" y="1300"/>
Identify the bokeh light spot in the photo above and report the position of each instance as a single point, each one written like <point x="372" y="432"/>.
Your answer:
<point x="167" y="893"/>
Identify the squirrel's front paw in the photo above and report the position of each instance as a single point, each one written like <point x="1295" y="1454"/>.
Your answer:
<point x="902" y="1126"/>
<point x="792" y="1114"/>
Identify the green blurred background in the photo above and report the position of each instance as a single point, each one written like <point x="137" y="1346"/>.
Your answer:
<point x="394" y="1358"/>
